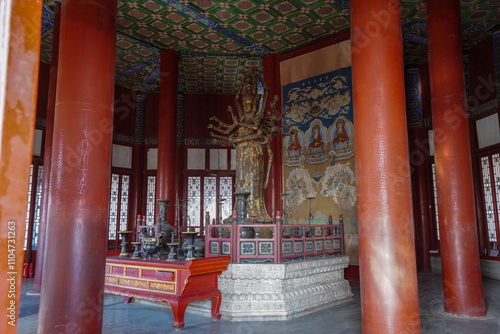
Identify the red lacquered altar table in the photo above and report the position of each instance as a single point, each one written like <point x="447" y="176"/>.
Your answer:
<point x="178" y="283"/>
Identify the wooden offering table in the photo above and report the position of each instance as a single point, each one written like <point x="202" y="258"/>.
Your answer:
<point x="176" y="282"/>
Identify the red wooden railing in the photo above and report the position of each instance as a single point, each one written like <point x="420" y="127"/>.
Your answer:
<point x="288" y="242"/>
<point x="282" y="242"/>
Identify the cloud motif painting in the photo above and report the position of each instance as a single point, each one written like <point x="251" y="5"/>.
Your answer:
<point x="338" y="184"/>
<point x="322" y="97"/>
<point x="299" y="185"/>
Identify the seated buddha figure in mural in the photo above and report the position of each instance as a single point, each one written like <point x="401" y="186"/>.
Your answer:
<point x="294" y="142"/>
<point x="340" y="136"/>
<point x="316" y="148"/>
<point x="316" y="140"/>
<point x="293" y="150"/>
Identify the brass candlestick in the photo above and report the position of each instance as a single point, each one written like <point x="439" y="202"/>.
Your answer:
<point x="177" y="219"/>
<point x="220" y="202"/>
<point x="172" y="256"/>
<point x="190" y="244"/>
<point x="124" y="235"/>
<point x="137" y="250"/>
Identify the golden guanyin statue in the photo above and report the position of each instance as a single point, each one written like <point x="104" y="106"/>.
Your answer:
<point x="251" y="131"/>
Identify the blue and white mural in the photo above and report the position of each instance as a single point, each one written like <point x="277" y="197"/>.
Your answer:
<point x="320" y="147"/>
<point x="318" y="155"/>
<point x="320" y="116"/>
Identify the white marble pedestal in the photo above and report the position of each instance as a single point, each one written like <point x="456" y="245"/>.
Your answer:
<point x="280" y="291"/>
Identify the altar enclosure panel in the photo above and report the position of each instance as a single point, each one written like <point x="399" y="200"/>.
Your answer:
<point x="318" y="156"/>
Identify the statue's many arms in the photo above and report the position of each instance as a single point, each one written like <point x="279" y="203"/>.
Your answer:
<point x="251" y="130"/>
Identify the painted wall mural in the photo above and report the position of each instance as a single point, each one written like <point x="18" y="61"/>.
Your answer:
<point x="319" y="163"/>
<point x="300" y="186"/>
<point x="338" y="184"/>
<point x="321" y="119"/>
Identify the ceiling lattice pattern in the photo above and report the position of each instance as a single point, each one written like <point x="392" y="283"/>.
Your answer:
<point x="218" y="39"/>
<point x="479" y="17"/>
<point x="239" y="26"/>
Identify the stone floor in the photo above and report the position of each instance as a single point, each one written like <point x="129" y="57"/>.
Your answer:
<point x="145" y="317"/>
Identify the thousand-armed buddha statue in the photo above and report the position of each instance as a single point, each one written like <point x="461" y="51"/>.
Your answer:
<point x="250" y="132"/>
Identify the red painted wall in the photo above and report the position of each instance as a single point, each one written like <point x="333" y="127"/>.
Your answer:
<point x="482" y="72"/>
<point x="351" y="273"/>
<point x="43" y="91"/>
<point x="125" y="103"/>
<point x="152" y="105"/>
<point x="124" y="112"/>
<point x="425" y="89"/>
<point x="198" y="110"/>
<point x="315" y="46"/>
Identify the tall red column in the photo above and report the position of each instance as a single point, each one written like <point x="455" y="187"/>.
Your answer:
<point x="47" y="155"/>
<point x="418" y="108"/>
<point x="278" y="147"/>
<point x="138" y="161"/>
<point x="389" y="294"/>
<point x="482" y="230"/>
<point x="179" y="186"/>
<point x="462" y="285"/>
<point x="421" y="200"/>
<point x="73" y="275"/>
<point x="167" y="130"/>
<point x="272" y="192"/>
<point x="136" y="195"/>
<point x="20" y="22"/>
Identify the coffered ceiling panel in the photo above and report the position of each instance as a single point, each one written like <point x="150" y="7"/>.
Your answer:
<point x="216" y="40"/>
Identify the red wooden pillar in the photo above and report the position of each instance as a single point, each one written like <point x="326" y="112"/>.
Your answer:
<point x="179" y="151"/>
<point x="179" y="186"/>
<point x="137" y="189"/>
<point x="138" y="161"/>
<point x="389" y="294"/>
<point x="272" y="192"/>
<point x="75" y="252"/>
<point x="277" y="146"/>
<point x="417" y="109"/>
<point x="167" y="130"/>
<point x="421" y="201"/>
<point x="20" y="22"/>
<point x="47" y="156"/>
<point x="482" y="229"/>
<point x="462" y="285"/>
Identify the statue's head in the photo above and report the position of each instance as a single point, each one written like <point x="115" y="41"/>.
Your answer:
<point x="251" y="70"/>
<point x="248" y="104"/>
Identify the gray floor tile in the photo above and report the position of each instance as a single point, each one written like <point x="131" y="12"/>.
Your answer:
<point x="144" y="318"/>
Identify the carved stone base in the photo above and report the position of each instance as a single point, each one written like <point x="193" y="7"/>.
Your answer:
<point x="280" y="291"/>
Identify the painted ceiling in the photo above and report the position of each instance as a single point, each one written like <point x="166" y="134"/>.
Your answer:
<point x="218" y="39"/>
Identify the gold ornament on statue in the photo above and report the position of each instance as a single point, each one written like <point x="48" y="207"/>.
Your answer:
<point x="250" y="132"/>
